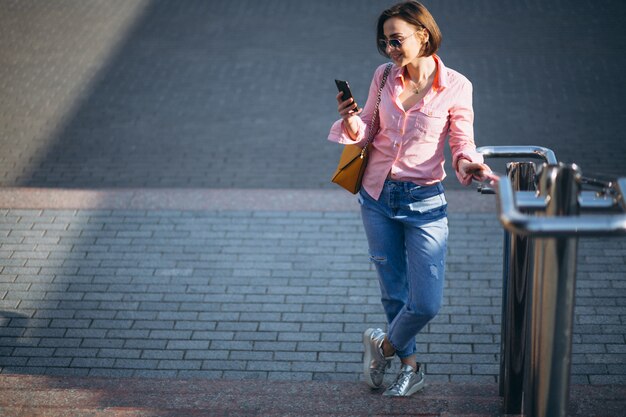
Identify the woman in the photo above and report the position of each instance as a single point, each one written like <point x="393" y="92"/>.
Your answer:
<point x="403" y="206"/>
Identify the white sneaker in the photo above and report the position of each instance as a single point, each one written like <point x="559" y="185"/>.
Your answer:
<point x="374" y="361"/>
<point x="408" y="382"/>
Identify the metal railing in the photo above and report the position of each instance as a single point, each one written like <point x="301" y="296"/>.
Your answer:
<point x="540" y="212"/>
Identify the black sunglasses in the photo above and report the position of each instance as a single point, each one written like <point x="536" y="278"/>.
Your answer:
<point x="395" y="43"/>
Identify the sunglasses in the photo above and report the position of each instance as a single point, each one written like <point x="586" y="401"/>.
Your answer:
<point x="395" y="43"/>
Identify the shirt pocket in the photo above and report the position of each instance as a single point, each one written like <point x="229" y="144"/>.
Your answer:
<point x="430" y="122"/>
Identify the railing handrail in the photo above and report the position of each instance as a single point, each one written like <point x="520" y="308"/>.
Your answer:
<point x="557" y="226"/>
<point x="582" y="225"/>
<point x="539" y="270"/>
<point x="530" y="151"/>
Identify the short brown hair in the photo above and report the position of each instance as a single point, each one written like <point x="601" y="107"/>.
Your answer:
<point x="415" y="14"/>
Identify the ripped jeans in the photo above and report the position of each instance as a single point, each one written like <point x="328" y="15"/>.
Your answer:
<point x="407" y="232"/>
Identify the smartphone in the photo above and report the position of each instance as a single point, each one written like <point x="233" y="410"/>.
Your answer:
<point x="344" y="87"/>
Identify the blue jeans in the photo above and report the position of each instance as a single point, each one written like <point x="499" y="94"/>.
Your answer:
<point x="407" y="232"/>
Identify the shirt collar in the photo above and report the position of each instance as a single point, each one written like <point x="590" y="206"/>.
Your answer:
<point x="441" y="78"/>
<point x="441" y="75"/>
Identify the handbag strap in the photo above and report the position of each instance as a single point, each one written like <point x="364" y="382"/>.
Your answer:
<point x="370" y="134"/>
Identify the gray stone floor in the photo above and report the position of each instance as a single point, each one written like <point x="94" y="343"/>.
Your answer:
<point x="268" y="295"/>
<point x="239" y="95"/>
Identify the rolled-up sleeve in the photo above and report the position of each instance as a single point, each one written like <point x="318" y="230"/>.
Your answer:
<point x="339" y="134"/>
<point x="461" y="133"/>
<point x="338" y="131"/>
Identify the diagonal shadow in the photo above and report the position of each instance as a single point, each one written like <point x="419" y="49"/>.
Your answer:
<point x="207" y="94"/>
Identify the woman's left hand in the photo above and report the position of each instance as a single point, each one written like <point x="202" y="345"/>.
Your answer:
<point x="477" y="170"/>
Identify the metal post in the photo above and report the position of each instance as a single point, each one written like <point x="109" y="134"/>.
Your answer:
<point x="550" y="293"/>
<point x="516" y="271"/>
<point x="546" y="387"/>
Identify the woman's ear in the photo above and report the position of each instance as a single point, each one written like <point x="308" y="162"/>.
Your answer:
<point x="423" y="35"/>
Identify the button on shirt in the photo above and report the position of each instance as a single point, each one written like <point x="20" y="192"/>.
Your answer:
<point x="409" y="145"/>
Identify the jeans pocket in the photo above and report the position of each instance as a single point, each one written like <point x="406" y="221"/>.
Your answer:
<point x="428" y="204"/>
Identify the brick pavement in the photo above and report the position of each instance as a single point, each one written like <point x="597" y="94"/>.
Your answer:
<point x="229" y="95"/>
<point x="259" y="294"/>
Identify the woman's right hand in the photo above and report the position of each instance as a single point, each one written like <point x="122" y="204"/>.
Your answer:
<point x="348" y="108"/>
<point x="348" y="111"/>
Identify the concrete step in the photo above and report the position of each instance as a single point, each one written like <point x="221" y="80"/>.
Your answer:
<point x="43" y="396"/>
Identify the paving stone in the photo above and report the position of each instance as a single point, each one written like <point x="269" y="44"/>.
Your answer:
<point x="174" y="289"/>
<point x="92" y="362"/>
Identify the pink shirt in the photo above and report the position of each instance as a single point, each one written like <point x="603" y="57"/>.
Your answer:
<point x="409" y="145"/>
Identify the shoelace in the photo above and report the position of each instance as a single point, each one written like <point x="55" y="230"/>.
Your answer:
<point x="397" y="386"/>
<point x="384" y="366"/>
<point x="397" y="383"/>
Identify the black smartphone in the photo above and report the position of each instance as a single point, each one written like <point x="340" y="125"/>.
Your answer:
<point x="344" y="87"/>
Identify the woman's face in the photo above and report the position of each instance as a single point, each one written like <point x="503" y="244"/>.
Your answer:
<point x="411" y="37"/>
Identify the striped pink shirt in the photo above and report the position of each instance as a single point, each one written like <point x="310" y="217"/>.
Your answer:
<point x="409" y="145"/>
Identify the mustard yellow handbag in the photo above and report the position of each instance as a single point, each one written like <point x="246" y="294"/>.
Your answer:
<point x="353" y="160"/>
